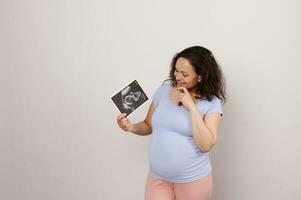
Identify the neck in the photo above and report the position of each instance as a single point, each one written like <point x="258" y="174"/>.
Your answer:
<point x="192" y="92"/>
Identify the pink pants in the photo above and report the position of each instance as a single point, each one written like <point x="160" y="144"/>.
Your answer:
<point x="157" y="189"/>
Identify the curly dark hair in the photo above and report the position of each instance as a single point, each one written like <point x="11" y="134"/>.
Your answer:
<point x="205" y="65"/>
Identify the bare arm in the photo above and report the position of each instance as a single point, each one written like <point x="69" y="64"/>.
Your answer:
<point x="141" y="128"/>
<point x="205" y="132"/>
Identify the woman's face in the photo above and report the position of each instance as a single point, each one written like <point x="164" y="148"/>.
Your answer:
<point x="185" y="75"/>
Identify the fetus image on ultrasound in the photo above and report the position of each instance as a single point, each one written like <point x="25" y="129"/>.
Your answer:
<point x="129" y="98"/>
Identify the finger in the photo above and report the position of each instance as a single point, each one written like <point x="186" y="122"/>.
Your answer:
<point x="184" y="89"/>
<point x="118" y="117"/>
<point x="181" y="89"/>
<point x="127" y="125"/>
<point x="118" y="122"/>
<point x="122" y="116"/>
<point x="124" y="120"/>
<point x="180" y="95"/>
<point x="121" y="120"/>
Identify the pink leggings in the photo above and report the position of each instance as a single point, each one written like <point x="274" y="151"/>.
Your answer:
<point x="157" y="189"/>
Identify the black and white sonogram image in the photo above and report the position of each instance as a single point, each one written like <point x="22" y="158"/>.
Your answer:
<point x="129" y="98"/>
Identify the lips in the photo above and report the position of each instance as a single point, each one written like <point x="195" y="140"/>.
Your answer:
<point x="180" y="84"/>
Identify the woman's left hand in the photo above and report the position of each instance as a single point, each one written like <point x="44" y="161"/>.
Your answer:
<point x="185" y="98"/>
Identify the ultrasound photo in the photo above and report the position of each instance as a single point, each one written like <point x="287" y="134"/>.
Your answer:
<point x="129" y="98"/>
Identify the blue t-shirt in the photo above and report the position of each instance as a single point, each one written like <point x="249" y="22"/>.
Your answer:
<point x="173" y="154"/>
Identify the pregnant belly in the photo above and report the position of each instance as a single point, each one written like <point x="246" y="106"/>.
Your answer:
<point x="171" y="153"/>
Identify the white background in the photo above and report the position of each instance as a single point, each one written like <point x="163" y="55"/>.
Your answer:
<point x="61" y="60"/>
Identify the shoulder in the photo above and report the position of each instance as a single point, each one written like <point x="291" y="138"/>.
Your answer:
<point x="161" y="92"/>
<point x="215" y="106"/>
<point x="215" y="100"/>
<point x="212" y="106"/>
<point x="166" y="85"/>
<point x="163" y="87"/>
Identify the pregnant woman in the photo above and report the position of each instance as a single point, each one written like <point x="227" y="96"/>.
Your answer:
<point x="183" y="119"/>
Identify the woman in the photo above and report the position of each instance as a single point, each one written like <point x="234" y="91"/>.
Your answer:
<point x="183" y="119"/>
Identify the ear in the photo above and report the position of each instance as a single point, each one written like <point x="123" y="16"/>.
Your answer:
<point x="199" y="78"/>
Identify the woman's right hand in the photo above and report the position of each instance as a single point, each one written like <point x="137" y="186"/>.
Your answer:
<point x="124" y="123"/>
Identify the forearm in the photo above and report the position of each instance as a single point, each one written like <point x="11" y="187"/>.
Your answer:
<point x="201" y="134"/>
<point x="142" y="128"/>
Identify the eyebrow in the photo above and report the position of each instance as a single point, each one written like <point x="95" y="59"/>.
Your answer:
<point x="180" y="71"/>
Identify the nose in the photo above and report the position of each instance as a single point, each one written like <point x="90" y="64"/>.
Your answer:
<point x="178" y="77"/>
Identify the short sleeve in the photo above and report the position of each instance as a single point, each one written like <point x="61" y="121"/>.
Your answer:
<point x="158" y="94"/>
<point x="216" y="106"/>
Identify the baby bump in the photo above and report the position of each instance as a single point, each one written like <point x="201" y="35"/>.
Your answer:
<point x="170" y="153"/>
